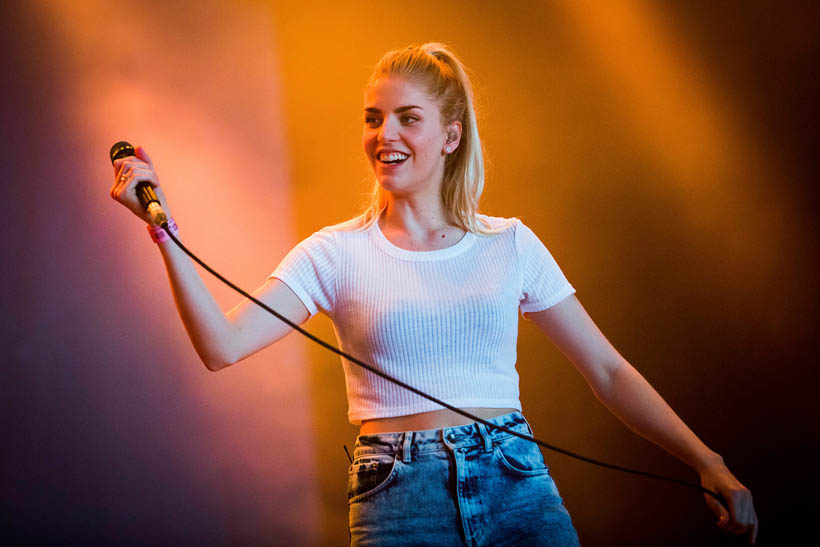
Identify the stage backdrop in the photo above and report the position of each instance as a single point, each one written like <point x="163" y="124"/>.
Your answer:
<point x="664" y="155"/>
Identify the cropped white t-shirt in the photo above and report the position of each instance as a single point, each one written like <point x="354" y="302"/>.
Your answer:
<point x="443" y="321"/>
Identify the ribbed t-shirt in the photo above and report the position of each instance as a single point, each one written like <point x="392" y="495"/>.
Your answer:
<point x="443" y="321"/>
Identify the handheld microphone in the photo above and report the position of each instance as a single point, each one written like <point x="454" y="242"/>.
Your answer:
<point x="145" y="193"/>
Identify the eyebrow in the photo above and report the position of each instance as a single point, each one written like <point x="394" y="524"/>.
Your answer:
<point x="399" y="110"/>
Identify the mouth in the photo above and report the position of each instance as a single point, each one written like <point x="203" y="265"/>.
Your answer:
<point x="392" y="158"/>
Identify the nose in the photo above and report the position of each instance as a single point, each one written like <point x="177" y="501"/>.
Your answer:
<point x="389" y="130"/>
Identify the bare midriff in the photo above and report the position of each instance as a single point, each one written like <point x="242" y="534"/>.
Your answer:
<point x="435" y="419"/>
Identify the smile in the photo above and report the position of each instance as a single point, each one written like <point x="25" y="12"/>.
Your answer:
<point x="392" y="158"/>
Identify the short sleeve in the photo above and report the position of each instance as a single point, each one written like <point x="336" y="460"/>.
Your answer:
<point x="543" y="284"/>
<point x="309" y="269"/>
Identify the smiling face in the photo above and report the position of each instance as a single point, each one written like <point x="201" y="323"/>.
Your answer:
<point x="404" y="136"/>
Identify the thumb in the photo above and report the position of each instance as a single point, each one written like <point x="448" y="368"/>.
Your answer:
<point x="140" y="152"/>
<point x="719" y="510"/>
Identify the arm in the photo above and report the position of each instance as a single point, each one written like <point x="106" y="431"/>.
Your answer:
<point x="629" y="396"/>
<point x="219" y="339"/>
<point x="222" y="339"/>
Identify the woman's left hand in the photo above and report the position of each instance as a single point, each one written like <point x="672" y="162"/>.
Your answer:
<point x="740" y="518"/>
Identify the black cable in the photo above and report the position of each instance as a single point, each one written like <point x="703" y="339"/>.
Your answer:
<point x="417" y="391"/>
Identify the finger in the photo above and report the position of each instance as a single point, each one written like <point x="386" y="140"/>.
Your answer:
<point x="119" y="161"/>
<point x="144" y="174"/>
<point x="119" y="184"/>
<point x="718" y="509"/>
<point x="139" y="171"/>
<point x="748" y="523"/>
<point x="114" y="185"/>
<point x="126" y="178"/>
<point x="118" y="166"/>
<point x="130" y="161"/>
<point x="742" y="515"/>
<point x="736" y="528"/>
<point x="127" y="182"/>
<point x="735" y="522"/>
<point x="122" y="167"/>
<point x="143" y="155"/>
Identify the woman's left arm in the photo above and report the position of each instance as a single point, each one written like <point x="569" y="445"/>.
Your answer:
<point x="632" y="399"/>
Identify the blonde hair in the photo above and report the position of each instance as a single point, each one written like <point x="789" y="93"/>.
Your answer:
<point x="437" y="69"/>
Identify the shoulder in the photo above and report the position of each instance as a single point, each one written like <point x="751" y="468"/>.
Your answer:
<point x="498" y="225"/>
<point x="345" y="229"/>
<point x="514" y="230"/>
<point x="332" y="232"/>
<point x="329" y="239"/>
<point x="354" y="224"/>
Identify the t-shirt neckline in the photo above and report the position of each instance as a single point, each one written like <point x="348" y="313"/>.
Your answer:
<point x="384" y="244"/>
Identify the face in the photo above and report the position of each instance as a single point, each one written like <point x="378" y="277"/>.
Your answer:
<point x="404" y="137"/>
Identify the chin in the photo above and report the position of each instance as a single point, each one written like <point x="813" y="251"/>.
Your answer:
<point x="394" y="187"/>
<point x="390" y="186"/>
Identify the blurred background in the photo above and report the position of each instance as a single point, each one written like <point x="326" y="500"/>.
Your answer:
<point x="664" y="152"/>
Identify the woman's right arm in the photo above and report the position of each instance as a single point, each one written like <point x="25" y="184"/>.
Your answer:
<point x="223" y="339"/>
<point x="219" y="339"/>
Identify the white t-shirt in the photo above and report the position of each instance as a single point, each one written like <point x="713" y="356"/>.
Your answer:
<point x="443" y="321"/>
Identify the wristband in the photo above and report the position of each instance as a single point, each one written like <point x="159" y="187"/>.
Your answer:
<point x="158" y="234"/>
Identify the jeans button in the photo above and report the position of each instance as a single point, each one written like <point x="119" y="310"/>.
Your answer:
<point x="451" y="437"/>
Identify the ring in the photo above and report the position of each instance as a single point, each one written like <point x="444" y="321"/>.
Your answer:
<point x="122" y="178"/>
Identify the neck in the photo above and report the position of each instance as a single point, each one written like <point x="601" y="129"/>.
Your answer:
<point x="416" y="216"/>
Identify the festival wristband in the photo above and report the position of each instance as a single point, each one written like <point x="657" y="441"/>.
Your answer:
<point x="158" y="234"/>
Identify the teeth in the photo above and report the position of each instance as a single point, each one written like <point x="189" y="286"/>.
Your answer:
<point x="392" y="156"/>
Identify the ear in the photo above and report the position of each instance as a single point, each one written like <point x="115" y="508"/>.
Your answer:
<point x="453" y="137"/>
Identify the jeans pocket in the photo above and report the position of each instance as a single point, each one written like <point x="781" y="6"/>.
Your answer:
<point x="370" y="474"/>
<point x="521" y="456"/>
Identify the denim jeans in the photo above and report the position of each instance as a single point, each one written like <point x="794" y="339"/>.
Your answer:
<point x="466" y="485"/>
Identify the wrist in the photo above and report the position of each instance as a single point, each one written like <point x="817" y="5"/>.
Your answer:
<point x="158" y="233"/>
<point x="709" y="462"/>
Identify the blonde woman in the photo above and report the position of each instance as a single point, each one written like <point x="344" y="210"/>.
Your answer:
<point x="429" y="290"/>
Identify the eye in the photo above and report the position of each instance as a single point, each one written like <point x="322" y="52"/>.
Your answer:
<point x="409" y="119"/>
<point x="372" y="121"/>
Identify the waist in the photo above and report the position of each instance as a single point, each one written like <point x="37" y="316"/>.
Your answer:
<point x="435" y="419"/>
<point x="467" y="435"/>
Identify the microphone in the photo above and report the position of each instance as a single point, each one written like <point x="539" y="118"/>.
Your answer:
<point x="145" y="193"/>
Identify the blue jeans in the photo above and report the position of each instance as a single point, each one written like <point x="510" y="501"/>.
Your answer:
<point x="465" y="485"/>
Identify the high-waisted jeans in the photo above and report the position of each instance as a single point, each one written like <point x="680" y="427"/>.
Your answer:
<point x="465" y="485"/>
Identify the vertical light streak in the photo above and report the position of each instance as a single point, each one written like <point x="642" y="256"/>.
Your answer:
<point x="688" y="126"/>
<point x="197" y="84"/>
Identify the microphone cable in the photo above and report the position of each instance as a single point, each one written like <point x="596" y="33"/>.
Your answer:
<point x="417" y="391"/>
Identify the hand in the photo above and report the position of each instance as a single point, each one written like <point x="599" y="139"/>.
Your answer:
<point x="130" y="171"/>
<point x="740" y="517"/>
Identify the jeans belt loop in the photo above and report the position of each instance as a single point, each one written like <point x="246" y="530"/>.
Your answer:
<point x="488" y="441"/>
<point x="405" y="446"/>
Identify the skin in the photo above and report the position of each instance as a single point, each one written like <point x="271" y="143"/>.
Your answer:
<point x="416" y="219"/>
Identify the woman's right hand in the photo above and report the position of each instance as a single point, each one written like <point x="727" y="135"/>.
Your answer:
<point x="130" y="171"/>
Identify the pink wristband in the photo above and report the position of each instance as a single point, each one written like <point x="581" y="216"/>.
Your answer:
<point x="158" y="235"/>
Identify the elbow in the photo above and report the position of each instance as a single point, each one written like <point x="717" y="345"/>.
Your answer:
<point x="605" y="377"/>
<point x="215" y="363"/>
<point x="216" y="353"/>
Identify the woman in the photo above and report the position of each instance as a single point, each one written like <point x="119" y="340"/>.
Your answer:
<point x="424" y="287"/>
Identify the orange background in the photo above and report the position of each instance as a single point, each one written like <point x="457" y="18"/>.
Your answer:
<point x="665" y="155"/>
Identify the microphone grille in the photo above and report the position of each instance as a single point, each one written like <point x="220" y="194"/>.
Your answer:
<point x="121" y="149"/>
